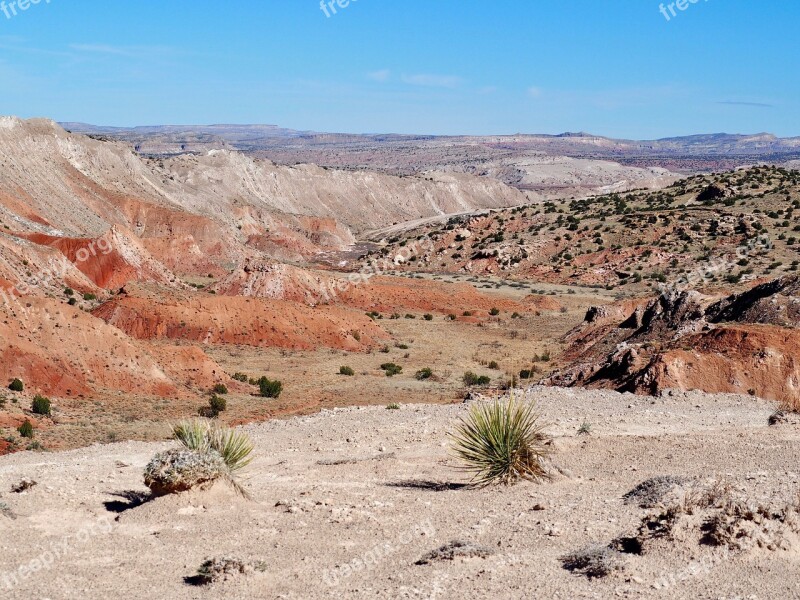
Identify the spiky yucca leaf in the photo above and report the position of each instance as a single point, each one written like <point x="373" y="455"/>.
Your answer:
<point x="234" y="446"/>
<point x="501" y="442"/>
<point x="203" y="435"/>
<point x="206" y="437"/>
<point x="194" y="434"/>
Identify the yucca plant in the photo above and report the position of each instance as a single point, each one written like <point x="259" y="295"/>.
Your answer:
<point x="206" y="438"/>
<point x="201" y="435"/>
<point x="501" y="442"/>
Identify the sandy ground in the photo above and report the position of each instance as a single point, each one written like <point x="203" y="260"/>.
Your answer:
<point x="345" y="487"/>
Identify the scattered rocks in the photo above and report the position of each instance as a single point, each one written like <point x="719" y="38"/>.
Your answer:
<point x="23" y="486"/>
<point x="221" y="569"/>
<point x="593" y="561"/>
<point x="652" y="492"/>
<point x="456" y="549"/>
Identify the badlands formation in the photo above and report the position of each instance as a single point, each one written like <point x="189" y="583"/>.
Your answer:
<point x="375" y="296"/>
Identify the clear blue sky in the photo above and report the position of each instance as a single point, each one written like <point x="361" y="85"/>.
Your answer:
<point x="616" y="68"/>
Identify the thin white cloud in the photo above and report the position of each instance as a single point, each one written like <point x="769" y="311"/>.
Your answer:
<point x="381" y="76"/>
<point x="426" y="80"/>
<point x="124" y="51"/>
<point x="751" y="104"/>
<point x="535" y="92"/>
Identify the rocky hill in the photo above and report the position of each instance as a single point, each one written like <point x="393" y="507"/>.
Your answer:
<point x="744" y="343"/>
<point x="711" y="232"/>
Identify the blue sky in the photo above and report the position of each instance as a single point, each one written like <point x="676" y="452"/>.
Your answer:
<point x="409" y="66"/>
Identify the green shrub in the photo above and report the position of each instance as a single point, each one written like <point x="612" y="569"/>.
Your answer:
<point x="501" y="442"/>
<point x="393" y="406"/>
<point x="40" y="405"/>
<point x="428" y="317"/>
<point x="240" y="377"/>
<point x="391" y="369"/>
<point x="348" y="371"/>
<point x="218" y="403"/>
<point x="16" y="385"/>
<point x="269" y="388"/>
<point x="494" y="312"/>
<point x="69" y="292"/>
<point x="423" y="374"/>
<point x="471" y="379"/>
<point x="493" y="365"/>
<point x="26" y="429"/>
<point x="72" y="302"/>
<point x="525" y="374"/>
<point x="87" y="296"/>
<point x="220" y="388"/>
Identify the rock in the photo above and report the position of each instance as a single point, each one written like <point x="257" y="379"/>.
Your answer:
<point x="456" y="549"/>
<point x="180" y="470"/>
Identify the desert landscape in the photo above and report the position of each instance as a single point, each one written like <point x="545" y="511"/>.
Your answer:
<point x="398" y="344"/>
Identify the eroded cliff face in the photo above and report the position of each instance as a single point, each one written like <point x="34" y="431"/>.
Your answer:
<point x="745" y="343"/>
<point x="83" y="218"/>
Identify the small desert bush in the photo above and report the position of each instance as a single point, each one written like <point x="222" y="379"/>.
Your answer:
<point x="218" y="403"/>
<point x="26" y="429"/>
<point x="391" y="369"/>
<point x="240" y="377"/>
<point x="40" y="405"/>
<point x="16" y="385"/>
<point x="348" y="371"/>
<point x="428" y="317"/>
<point x="270" y="388"/>
<point x="393" y="406"/>
<point x="493" y="365"/>
<point x="501" y="442"/>
<point x="471" y="379"/>
<point x="423" y="374"/>
<point x="494" y="312"/>
<point x="220" y="388"/>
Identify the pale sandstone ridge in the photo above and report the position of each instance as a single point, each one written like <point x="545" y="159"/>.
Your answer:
<point x="63" y="184"/>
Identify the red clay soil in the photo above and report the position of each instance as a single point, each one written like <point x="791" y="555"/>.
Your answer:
<point x="208" y="319"/>
<point x="61" y="351"/>
<point x="749" y="359"/>
<point x="110" y="261"/>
